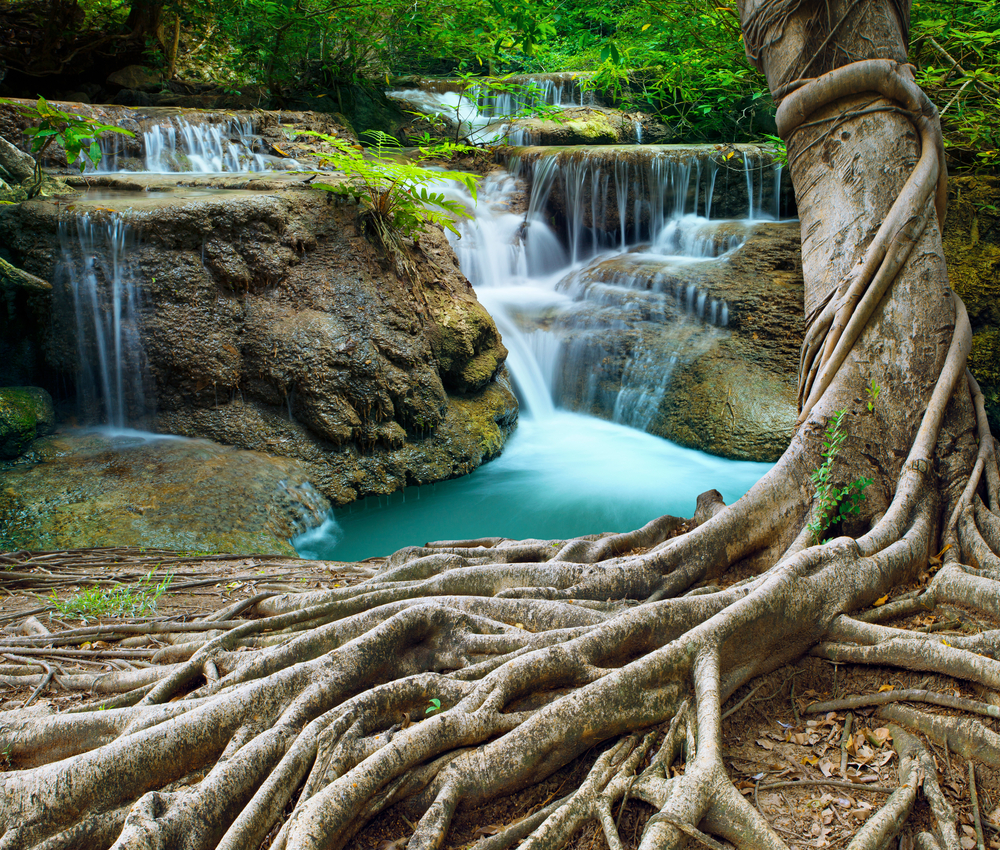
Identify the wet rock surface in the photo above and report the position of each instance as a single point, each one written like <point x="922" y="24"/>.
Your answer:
<point x="75" y="489"/>
<point x="271" y="324"/>
<point x="704" y="353"/>
<point x="579" y="125"/>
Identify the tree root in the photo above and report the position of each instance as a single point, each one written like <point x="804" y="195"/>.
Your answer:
<point x="969" y="738"/>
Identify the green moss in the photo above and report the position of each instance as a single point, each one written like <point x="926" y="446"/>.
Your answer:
<point x="18" y="418"/>
<point x="972" y="250"/>
<point x="972" y="247"/>
<point x="984" y="363"/>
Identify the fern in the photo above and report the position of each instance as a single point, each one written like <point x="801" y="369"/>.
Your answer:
<point x="397" y="195"/>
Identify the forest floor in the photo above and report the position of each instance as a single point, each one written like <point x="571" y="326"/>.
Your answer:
<point x="814" y="784"/>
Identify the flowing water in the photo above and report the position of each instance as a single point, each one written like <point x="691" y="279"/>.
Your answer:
<point x="559" y="301"/>
<point x="98" y="272"/>
<point x="481" y="113"/>
<point x="178" y="145"/>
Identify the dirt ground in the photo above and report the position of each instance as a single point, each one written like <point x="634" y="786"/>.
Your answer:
<point x="783" y="757"/>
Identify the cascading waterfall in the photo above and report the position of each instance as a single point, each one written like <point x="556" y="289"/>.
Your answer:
<point x="560" y="90"/>
<point x="617" y="322"/>
<point x="180" y="145"/>
<point x="597" y="325"/>
<point x="98" y="272"/>
<point x="479" y="112"/>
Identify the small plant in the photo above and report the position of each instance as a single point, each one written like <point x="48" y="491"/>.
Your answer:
<point x="872" y="391"/>
<point x="434" y="706"/>
<point x="74" y="132"/>
<point x="834" y="504"/>
<point x="780" y="149"/>
<point x="120" y="600"/>
<point x="397" y="196"/>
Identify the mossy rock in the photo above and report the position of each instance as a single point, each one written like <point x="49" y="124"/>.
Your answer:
<point x="576" y="126"/>
<point x="984" y="363"/>
<point x="25" y="413"/>
<point x="972" y="250"/>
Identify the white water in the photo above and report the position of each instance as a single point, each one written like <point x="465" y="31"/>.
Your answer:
<point x="178" y="145"/>
<point x="562" y="473"/>
<point x="480" y="114"/>
<point x="475" y="127"/>
<point x="100" y="273"/>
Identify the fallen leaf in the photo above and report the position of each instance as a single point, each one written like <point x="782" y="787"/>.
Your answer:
<point x="490" y="829"/>
<point x="767" y="745"/>
<point x="881" y="601"/>
<point x="885" y="688"/>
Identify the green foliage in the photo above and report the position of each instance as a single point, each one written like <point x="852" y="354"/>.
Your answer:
<point x="434" y="706"/>
<point x="120" y="600"/>
<point x="75" y="133"/>
<point x="397" y="196"/>
<point x="779" y="147"/>
<point x="956" y="47"/>
<point x="833" y="503"/>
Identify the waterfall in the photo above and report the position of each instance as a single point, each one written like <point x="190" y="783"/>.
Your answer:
<point x="594" y="323"/>
<point x="479" y="111"/>
<point x="99" y="273"/>
<point x="180" y="145"/>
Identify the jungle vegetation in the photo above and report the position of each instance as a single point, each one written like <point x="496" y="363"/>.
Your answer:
<point x="679" y="60"/>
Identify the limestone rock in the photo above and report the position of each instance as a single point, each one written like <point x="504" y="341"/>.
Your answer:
<point x="581" y="125"/>
<point x="271" y="324"/>
<point x="704" y="354"/>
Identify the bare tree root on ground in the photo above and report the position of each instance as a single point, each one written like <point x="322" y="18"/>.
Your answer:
<point x="466" y="670"/>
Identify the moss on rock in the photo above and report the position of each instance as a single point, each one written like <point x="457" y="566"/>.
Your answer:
<point x="972" y="250"/>
<point x="25" y="413"/>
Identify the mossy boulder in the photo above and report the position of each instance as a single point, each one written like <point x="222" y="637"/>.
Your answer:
<point x="972" y="250"/>
<point x="582" y="125"/>
<point x="25" y="414"/>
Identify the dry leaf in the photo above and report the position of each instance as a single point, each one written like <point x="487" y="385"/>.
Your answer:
<point x="490" y="829"/>
<point x="767" y="745"/>
<point x="885" y="688"/>
<point x="881" y="600"/>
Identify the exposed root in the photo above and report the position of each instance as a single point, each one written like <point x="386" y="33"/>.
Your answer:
<point x="969" y="738"/>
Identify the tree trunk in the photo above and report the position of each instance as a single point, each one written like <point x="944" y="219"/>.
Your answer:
<point x="145" y="19"/>
<point x="464" y="670"/>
